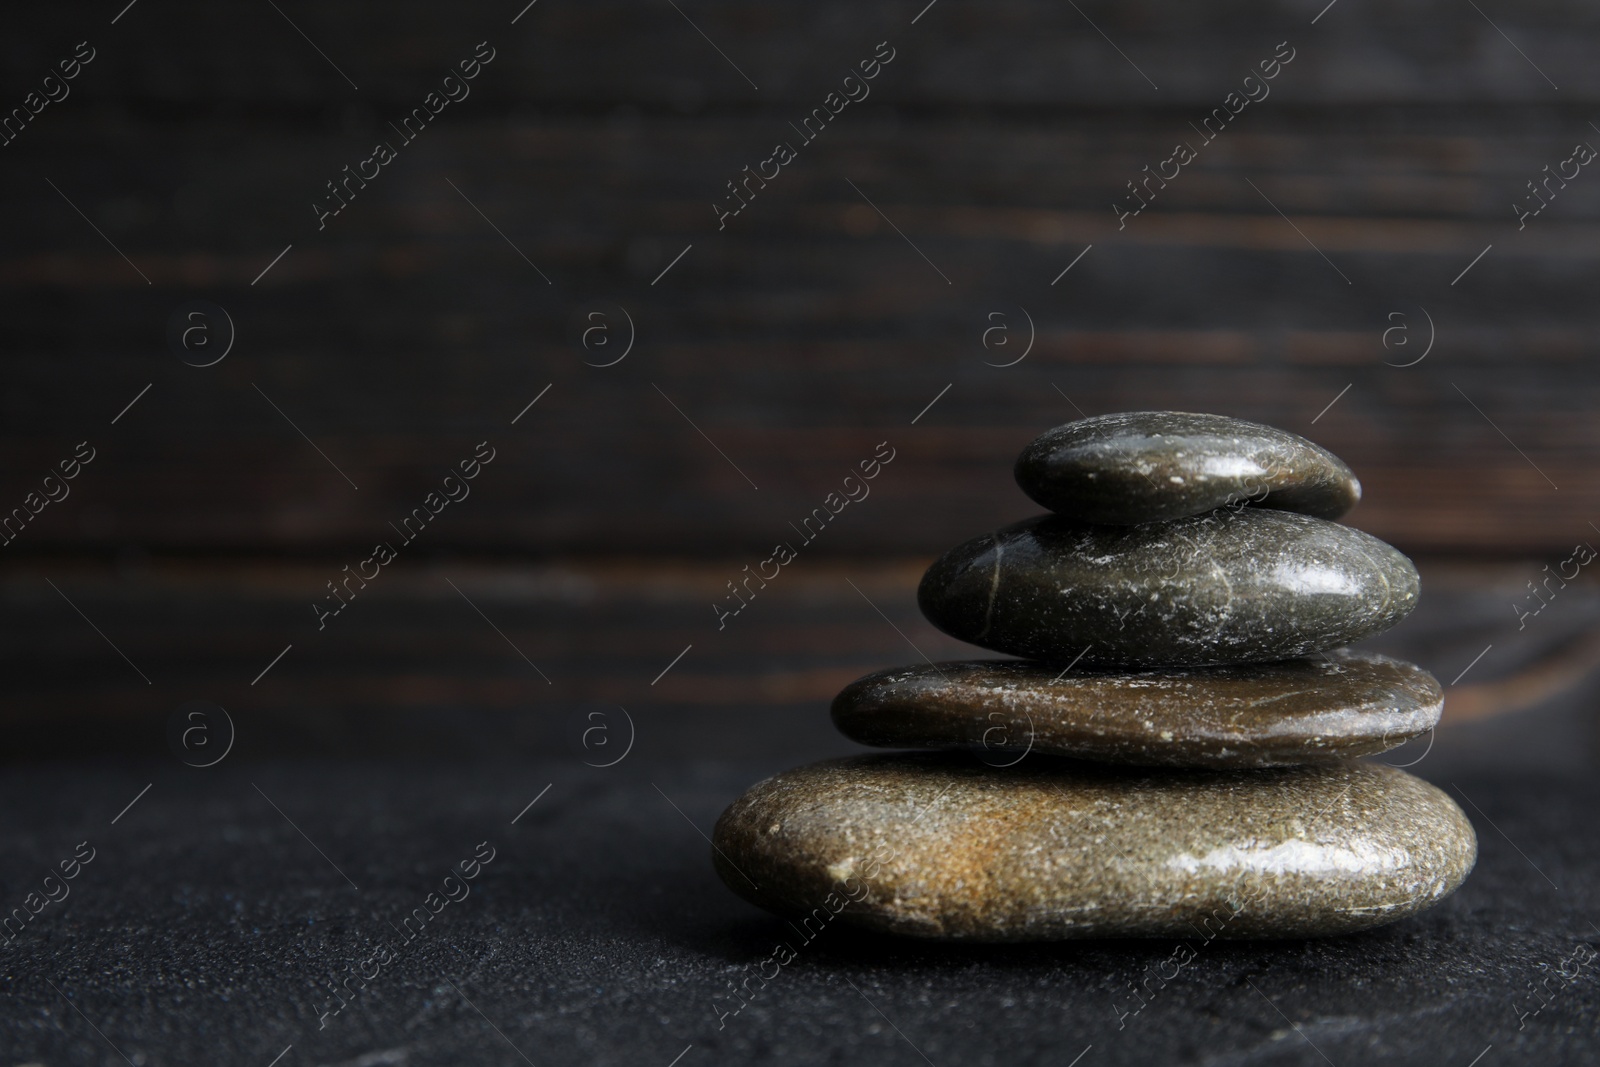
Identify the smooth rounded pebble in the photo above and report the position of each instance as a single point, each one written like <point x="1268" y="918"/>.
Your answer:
<point x="1224" y="587"/>
<point x="1259" y="715"/>
<point x="1145" y="466"/>
<point x="937" y="845"/>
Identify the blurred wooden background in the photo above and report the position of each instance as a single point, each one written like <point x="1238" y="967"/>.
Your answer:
<point x="849" y="304"/>
<point x="809" y="329"/>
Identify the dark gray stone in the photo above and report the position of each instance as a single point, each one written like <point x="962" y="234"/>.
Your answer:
<point x="939" y="846"/>
<point x="1224" y="587"/>
<point x="1259" y="715"/>
<point x="1145" y="466"/>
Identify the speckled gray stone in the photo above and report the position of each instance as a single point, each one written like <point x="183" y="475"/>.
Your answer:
<point x="1144" y="466"/>
<point x="940" y="846"/>
<point x="1224" y="587"/>
<point x="1258" y="715"/>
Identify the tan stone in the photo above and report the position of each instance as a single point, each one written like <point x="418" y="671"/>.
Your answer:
<point x="941" y="846"/>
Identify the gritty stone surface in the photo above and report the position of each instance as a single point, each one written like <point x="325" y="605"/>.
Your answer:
<point x="1225" y="587"/>
<point x="938" y="845"/>
<point x="206" y="928"/>
<point x="1259" y="715"/>
<point x="1145" y="466"/>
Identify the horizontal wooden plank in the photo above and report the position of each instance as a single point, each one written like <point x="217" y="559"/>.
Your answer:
<point x="563" y="185"/>
<point x="704" y="54"/>
<point x="1452" y="456"/>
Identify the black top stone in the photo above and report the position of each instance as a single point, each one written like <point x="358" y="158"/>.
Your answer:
<point x="1145" y="466"/>
<point x="1226" y="587"/>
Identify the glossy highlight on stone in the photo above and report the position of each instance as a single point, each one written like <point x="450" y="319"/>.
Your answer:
<point x="1147" y="466"/>
<point x="1226" y="587"/>
<point x="1262" y="715"/>
<point x="938" y="845"/>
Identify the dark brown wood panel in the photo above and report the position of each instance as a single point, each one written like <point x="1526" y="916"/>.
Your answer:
<point x="1260" y="283"/>
<point x="1027" y="52"/>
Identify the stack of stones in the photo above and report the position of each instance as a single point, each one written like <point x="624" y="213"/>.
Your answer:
<point x="1172" y="753"/>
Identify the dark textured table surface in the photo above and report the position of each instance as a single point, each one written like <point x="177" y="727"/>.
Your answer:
<point x="218" y="908"/>
<point x="220" y="905"/>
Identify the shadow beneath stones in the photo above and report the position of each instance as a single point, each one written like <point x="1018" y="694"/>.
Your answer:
<point x="849" y="948"/>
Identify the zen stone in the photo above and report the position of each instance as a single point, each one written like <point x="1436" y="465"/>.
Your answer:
<point x="1145" y="466"/>
<point x="1260" y="715"/>
<point x="936" y="845"/>
<point x="1225" y="587"/>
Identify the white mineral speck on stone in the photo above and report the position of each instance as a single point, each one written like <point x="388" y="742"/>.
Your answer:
<point x="1296" y="856"/>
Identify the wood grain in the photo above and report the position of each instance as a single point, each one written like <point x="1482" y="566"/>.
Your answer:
<point x="1259" y="284"/>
